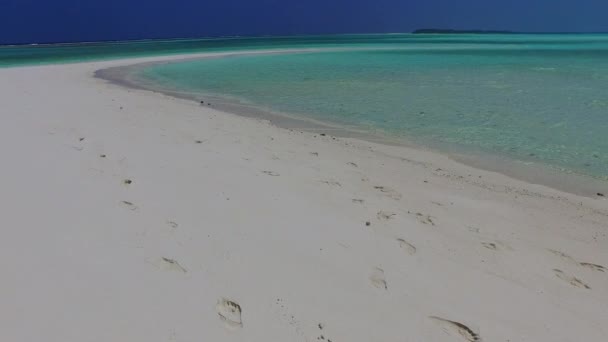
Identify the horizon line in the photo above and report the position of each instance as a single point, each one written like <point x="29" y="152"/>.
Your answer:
<point x="228" y="37"/>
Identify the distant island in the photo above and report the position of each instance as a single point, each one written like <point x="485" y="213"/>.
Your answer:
<point x="451" y="31"/>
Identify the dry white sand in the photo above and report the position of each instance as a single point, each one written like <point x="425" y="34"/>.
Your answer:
<point x="235" y="230"/>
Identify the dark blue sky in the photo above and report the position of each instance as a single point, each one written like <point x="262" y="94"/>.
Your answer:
<point x="27" y="21"/>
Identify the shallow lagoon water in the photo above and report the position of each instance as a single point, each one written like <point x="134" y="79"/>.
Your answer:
<point x="537" y="99"/>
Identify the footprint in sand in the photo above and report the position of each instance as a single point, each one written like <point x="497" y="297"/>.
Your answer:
<point x="230" y="313"/>
<point x="378" y="279"/>
<point x="496" y="246"/>
<point x="166" y="264"/>
<point x="453" y="328"/>
<point x="424" y="219"/>
<point x="490" y="245"/>
<point x="407" y="247"/>
<point x="593" y="267"/>
<point x="130" y="205"/>
<point x="332" y="183"/>
<point x="385" y="215"/>
<point x="574" y="281"/>
<point x="322" y="337"/>
<point x="562" y="255"/>
<point x="474" y="229"/>
<point x="79" y="148"/>
<point x="389" y="192"/>
<point x="172" y="224"/>
<point x="271" y="173"/>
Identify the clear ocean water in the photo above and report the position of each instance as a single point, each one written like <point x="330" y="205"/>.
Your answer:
<point x="539" y="99"/>
<point x="533" y="98"/>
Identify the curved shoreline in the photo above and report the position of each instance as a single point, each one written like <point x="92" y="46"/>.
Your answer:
<point x="532" y="173"/>
<point x="126" y="205"/>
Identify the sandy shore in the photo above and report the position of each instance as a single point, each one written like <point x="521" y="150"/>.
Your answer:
<point x="128" y="215"/>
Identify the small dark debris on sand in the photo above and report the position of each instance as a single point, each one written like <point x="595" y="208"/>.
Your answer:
<point x="127" y="181"/>
<point x="600" y="194"/>
<point x="81" y="139"/>
<point x="322" y="134"/>
<point x="202" y="102"/>
<point x="102" y="156"/>
<point x="368" y="223"/>
<point x="198" y="141"/>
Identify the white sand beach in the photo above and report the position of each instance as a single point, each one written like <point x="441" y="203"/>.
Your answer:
<point x="129" y="215"/>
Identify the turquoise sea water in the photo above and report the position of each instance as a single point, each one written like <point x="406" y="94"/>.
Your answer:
<point x="540" y="99"/>
<point x="68" y="53"/>
<point x="533" y="98"/>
